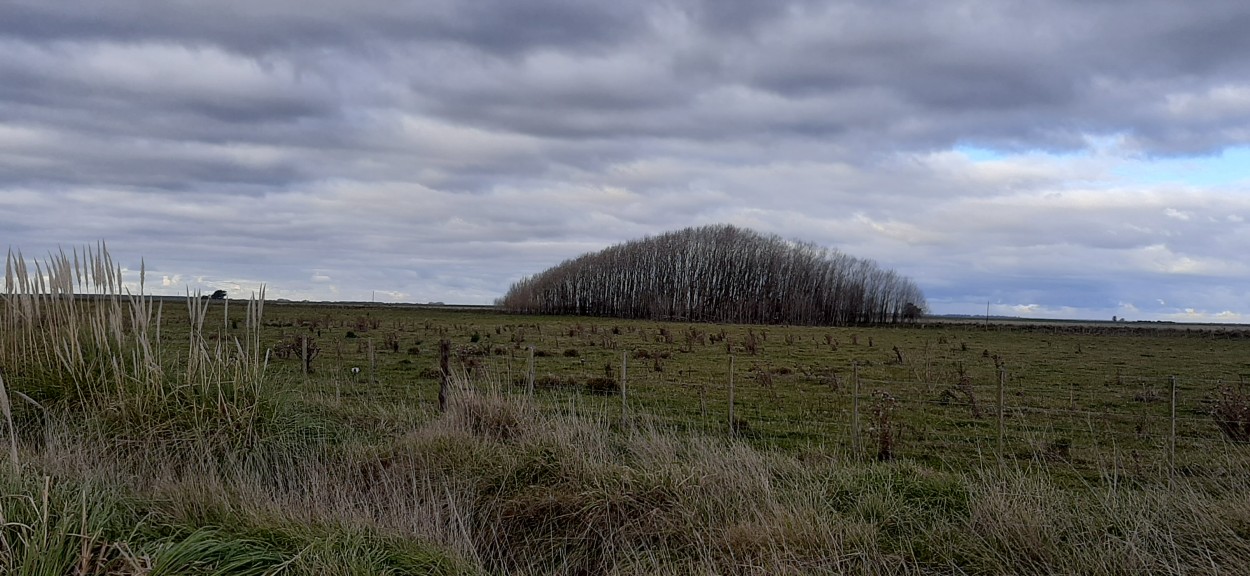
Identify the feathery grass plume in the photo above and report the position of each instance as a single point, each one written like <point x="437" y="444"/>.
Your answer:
<point x="101" y="353"/>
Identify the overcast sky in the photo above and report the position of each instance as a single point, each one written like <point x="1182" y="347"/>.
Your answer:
<point x="1051" y="158"/>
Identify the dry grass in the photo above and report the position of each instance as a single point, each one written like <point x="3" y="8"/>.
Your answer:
<point x="499" y="485"/>
<point x="1232" y="413"/>
<point x="6" y="411"/>
<point x="155" y="460"/>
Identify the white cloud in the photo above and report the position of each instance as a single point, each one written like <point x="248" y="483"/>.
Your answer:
<point x="1160" y="258"/>
<point x="1192" y="315"/>
<point x="1213" y="103"/>
<point x="1177" y="214"/>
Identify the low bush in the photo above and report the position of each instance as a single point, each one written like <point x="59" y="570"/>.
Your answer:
<point x="602" y="385"/>
<point x="1232" y="413"/>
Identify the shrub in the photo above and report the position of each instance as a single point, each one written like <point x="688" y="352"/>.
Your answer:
<point x="965" y="387"/>
<point x="1232" y="414"/>
<point x="763" y="375"/>
<point x="491" y="416"/>
<point x="602" y="385"/>
<point x="752" y="343"/>
<point x="549" y="381"/>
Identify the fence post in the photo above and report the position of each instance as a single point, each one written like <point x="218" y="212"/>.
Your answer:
<point x="855" y="447"/>
<point x="1172" y="437"/>
<point x="624" y="404"/>
<point x="373" y="364"/>
<point x="304" y="353"/>
<point x="703" y="404"/>
<point x="731" y="395"/>
<point x="1002" y="379"/>
<point x="529" y="381"/>
<point x="444" y="358"/>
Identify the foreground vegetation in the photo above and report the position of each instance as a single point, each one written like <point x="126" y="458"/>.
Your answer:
<point x="159" y="439"/>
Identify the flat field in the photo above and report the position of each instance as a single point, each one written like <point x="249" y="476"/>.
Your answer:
<point x="191" y="436"/>
<point x="1083" y="396"/>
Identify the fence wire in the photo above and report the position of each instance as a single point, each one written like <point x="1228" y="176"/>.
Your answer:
<point x="1158" y="421"/>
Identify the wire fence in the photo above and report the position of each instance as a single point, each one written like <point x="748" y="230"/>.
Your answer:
<point x="1164" y="423"/>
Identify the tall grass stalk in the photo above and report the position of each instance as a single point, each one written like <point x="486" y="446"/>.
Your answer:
<point x="6" y="410"/>
<point x="76" y="334"/>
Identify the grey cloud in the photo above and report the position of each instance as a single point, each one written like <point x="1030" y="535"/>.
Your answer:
<point x="500" y="27"/>
<point x="445" y="148"/>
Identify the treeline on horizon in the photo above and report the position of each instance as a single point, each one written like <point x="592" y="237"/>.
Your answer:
<point x="720" y="273"/>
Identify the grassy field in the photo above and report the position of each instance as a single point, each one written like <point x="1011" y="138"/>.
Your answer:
<point x="151" y="437"/>
<point x="1083" y="395"/>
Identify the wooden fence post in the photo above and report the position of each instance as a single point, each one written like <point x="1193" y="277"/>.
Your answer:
<point x="373" y="364"/>
<point x="1172" y="437"/>
<point x="624" y="405"/>
<point x="703" y="405"/>
<point x="1002" y="380"/>
<point x="732" y="429"/>
<point x="855" y="447"/>
<point x="444" y="360"/>
<point x="529" y="379"/>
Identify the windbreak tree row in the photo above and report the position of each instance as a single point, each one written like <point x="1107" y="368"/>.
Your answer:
<point x="720" y="273"/>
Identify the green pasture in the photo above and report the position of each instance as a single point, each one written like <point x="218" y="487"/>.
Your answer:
<point x="190" y="436"/>
<point x="1080" y="396"/>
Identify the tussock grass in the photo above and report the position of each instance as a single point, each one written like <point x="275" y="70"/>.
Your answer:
<point x="77" y="340"/>
<point x="497" y="485"/>
<point x="136" y="455"/>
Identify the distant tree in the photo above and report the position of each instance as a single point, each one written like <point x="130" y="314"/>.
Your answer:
<point x="912" y="312"/>
<point x="218" y="295"/>
<point x="720" y="274"/>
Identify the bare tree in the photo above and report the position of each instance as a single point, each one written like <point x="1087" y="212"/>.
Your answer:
<point x="720" y="274"/>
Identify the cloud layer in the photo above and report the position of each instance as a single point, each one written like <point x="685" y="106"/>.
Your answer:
<point x="1047" y="158"/>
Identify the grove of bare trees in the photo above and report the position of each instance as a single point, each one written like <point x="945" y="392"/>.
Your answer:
<point x="721" y="273"/>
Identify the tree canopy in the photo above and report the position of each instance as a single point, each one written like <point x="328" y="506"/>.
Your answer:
<point x="720" y="273"/>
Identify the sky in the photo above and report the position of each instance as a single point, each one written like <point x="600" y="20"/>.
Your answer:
<point x="1047" y="159"/>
